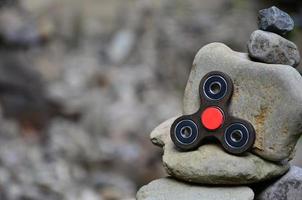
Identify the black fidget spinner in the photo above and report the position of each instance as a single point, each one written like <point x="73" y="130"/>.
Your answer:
<point x="212" y="119"/>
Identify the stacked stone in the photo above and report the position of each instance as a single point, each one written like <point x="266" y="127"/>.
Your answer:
<point x="269" y="95"/>
<point x="268" y="45"/>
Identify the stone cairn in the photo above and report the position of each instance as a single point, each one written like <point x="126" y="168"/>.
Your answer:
<point x="268" y="94"/>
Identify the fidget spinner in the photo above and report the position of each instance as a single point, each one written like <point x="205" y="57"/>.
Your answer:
<point x="212" y="120"/>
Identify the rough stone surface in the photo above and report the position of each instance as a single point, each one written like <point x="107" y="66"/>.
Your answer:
<point x="169" y="189"/>
<point x="267" y="95"/>
<point x="210" y="164"/>
<point x="272" y="48"/>
<point x="287" y="187"/>
<point x="86" y="151"/>
<point x="275" y="20"/>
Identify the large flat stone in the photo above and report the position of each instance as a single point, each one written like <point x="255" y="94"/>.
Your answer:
<point x="170" y="189"/>
<point x="210" y="164"/>
<point x="267" y="95"/>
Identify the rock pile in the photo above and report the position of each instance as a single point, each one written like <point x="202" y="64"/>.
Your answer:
<point x="89" y="64"/>
<point x="266" y="46"/>
<point x="267" y="94"/>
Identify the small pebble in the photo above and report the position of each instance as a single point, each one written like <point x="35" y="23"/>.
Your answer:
<point x="275" y="20"/>
<point x="271" y="48"/>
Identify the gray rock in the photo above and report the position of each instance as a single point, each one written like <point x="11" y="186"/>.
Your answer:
<point x="23" y="92"/>
<point x="289" y="187"/>
<point x="18" y="29"/>
<point x="271" y="48"/>
<point x="121" y="45"/>
<point x="169" y="189"/>
<point x="210" y="164"/>
<point x="269" y="96"/>
<point x="275" y="20"/>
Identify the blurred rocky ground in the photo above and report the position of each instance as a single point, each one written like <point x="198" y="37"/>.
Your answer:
<point x="82" y="84"/>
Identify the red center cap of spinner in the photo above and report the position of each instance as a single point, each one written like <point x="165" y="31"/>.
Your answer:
<point x="212" y="118"/>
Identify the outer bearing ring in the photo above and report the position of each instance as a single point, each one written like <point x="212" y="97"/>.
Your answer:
<point x="232" y="140"/>
<point x="179" y="134"/>
<point x="220" y="82"/>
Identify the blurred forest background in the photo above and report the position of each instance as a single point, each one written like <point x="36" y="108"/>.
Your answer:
<point x="82" y="84"/>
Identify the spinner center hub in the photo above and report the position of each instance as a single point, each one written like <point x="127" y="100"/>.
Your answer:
<point x="212" y="118"/>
